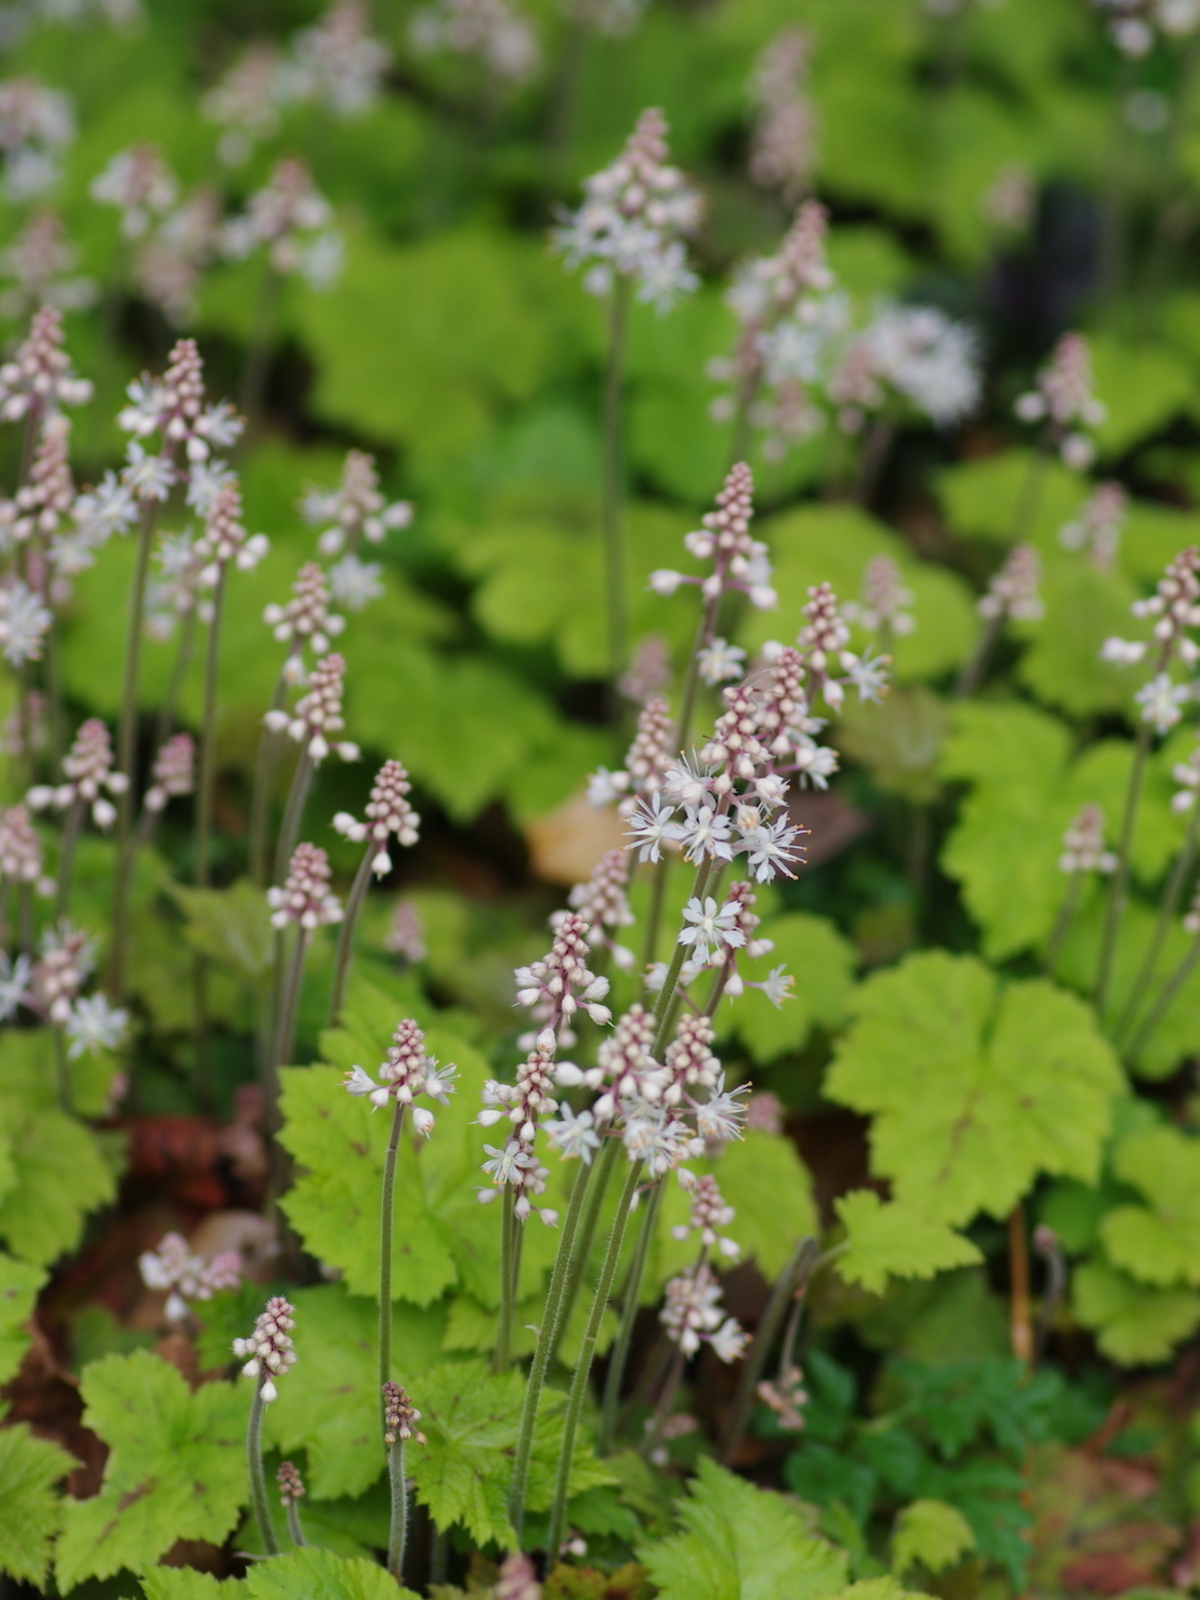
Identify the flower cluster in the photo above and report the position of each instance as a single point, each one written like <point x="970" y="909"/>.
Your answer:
<point x="186" y="1276"/>
<point x="554" y="988"/>
<point x="355" y="511"/>
<point x="692" y="1313"/>
<point x="1013" y="591"/>
<point x="884" y="608"/>
<point x="914" y="355"/>
<point x="1174" y="608"/>
<point x="292" y="221"/>
<point x="1134" y="24"/>
<point x="305" y="619"/>
<point x="66" y="957"/>
<point x="521" y="1104"/>
<point x="269" y="1347"/>
<point x="388" y="812"/>
<point x="786" y="1397"/>
<point x="317" y="714"/>
<point x="406" y="1071"/>
<point x="739" y="562"/>
<point x="604" y="905"/>
<point x="1097" y="528"/>
<point x="783" y="142"/>
<point x="140" y="185"/>
<point x="400" y="1416"/>
<point x="1062" y="398"/>
<point x="24" y="623"/>
<point x="39" y="378"/>
<point x="647" y="761"/>
<point x="21" y="850"/>
<point x="173" y="773"/>
<point x="88" y="770"/>
<point x="709" y="1213"/>
<point x="491" y="31"/>
<point x="406" y="932"/>
<point x="291" y="1484"/>
<point x="1083" y="844"/>
<point x="36" y="126"/>
<point x="305" y="900"/>
<point x="173" y="407"/>
<point x="632" y="222"/>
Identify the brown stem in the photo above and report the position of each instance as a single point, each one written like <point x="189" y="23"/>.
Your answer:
<point x="1020" y="1320"/>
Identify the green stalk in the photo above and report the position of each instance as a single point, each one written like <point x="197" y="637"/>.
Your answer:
<point x="1159" y="1009"/>
<point x="502" y="1355"/>
<point x="66" y="857"/>
<point x="797" y="1271"/>
<point x="62" y="1072"/>
<point x="1062" y="923"/>
<point x="615" y="1376"/>
<point x="398" y="1524"/>
<point x="1120" y="883"/>
<point x="127" y="746"/>
<point x="254" y="1464"/>
<point x="583" y="1367"/>
<point x="386" y="1223"/>
<point x="597" y="1193"/>
<point x="293" y="813"/>
<point x="295" y="1530"/>
<point x="594" y="1177"/>
<point x="663" y="1010"/>
<point x="285" y="1030"/>
<point x="345" y="943"/>
<point x="208" y="737"/>
<point x="260" y="802"/>
<point x="1166" y="912"/>
<point x="611" y="477"/>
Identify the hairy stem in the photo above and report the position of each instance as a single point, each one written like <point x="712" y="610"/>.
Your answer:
<point x="66" y="857"/>
<point x="594" y="1177"/>
<point x="295" y="1530"/>
<point x="260" y="800"/>
<point x="398" y="1526"/>
<point x="289" y="1004"/>
<point x="502" y="1354"/>
<point x="1166" y="912"/>
<point x="386" y="1223"/>
<point x="206" y="778"/>
<point x="583" y="1367"/>
<point x="611" y="478"/>
<point x="666" y="1402"/>
<point x="127" y="747"/>
<point x="293" y="813"/>
<point x="590" y="1221"/>
<point x="1120" y="880"/>
<point x="254" y="1466"/>
<point x="789" y="1283"/>
<point x="615" y="1377"/>
<point x="345" y="943"/>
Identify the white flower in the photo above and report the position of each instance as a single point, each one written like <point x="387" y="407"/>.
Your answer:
<point x="24" y="622"/>
<point x="94" y="1025"/>
<point x="14" y="983"/>
<point x="729" y="1341"/>
<point x="771" y="848"/>
<point x="704" y="832"/>
<point x="777" y="985"/>
<point x="605" y="786"/>
<point x="652" y="825"/>
<point x="663" y="581"/>
<point x="1123" y="652"/>
<point x="710" y="926"/>
<point x="721" y="1116"/>
<point x="1162" y="700"/>
<point x="355" y="583"/>
<point x="573" y="1135"/>
<point x="721" y="661"/>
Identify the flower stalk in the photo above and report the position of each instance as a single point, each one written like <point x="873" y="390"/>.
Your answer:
<point x="254" y="1466"/>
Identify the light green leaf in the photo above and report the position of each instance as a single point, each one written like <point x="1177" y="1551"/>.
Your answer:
<point x="185" y="1583"/>
<point x="763" y="1178"/>
<point x="890" y="1241"/>
<point x="1062" y="665"/>
<point x="470" y="1419"/>
<point x="176" y="1468"/>
<point x="19" y="1285"/>
<point x="741" y="1543"/>
<point x="29" y="1509"/>
<point x="1159" y="1243"/>
<point x="886" y="1588"/>
<point x="334" y="1204"/>
<point x="1142" y="386"/>
<point x="976" y="1087"/>
<point x="60" y="1177"/>
<point x="932" y="1534"/>
<point x="1133" y="1324"/>
<point x="320" y="1575"/>
<point x="822" y="963"/>
<point x="1018" y="494"/>
<point x="232" y="926"/>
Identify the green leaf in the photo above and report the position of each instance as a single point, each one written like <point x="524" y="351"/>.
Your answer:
<point x="185" y="1583"/>
<point x="321" y="1575"/>
<point x="333" y="1394"/>
<point x="976" y="1087"/>
<point x="822" y="963"/>
<point x="1133" y="1324"/>
<point x="29" y="1508"/>
<point x="470" y="1419"/>
<point x="982" y="497"/>
<point x="1160" y="1243"/>
<point x="60" y="1177"/>
<point x="931" y="1534"/>
<point x="176" y="1468"/>
<point x="886" y="1588"/>
<point x="763" y="1178"/>
<point x="19" y="1285"/>
<point x="890" y="1241"/>
<point x="1063" y="665"/>
<point x="232" y="926"/>
<point x="334" y="1204"/>
<point x="741" y="1543"/>
<point x="1142" y="385"/>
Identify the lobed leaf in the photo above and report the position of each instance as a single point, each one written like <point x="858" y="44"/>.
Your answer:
<point x="891" y="1241"/>
<point x="30" y="1511"/>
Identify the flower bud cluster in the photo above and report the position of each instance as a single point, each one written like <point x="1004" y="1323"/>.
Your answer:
<point x="293" y="221"/>
<point x="388" y="812"/>
<point x="786" y="1397"/>
<point x="87" y="767"/>
<point x="692" y="1314"/>
<point x="305" y="901"/>
<point x="1083" y="844"/>
<point x="139" y="184"/>
<point x="783" y="141"/>
<point x="555" y="987"/>
<point x="355" y="510"/>
<point x="885" y="600"/>
<point x="648" y="759"/>
<point x="318" y="713"/>
<point x="305" y="620"/>
<point x="291" y="1484"/>
<point x="173" y="407"/>
<point x="406" y="1071"/>
<point x="1174" y="609"/>
<point x="521" y="1104"/>
<point x="709" y="1213"/>
<point x="36" y="124"/>
<point x="739" y="562"/>
<point x="48" y="494"/>
<point x="1097" y="529"/>
<point x="269" y="1348"/>
<point x="173" y="773"/>
<point x="225" y="540"/>
<point x="1062" y="398"/>
<point x="1013" y="591"/>
<point x="39" y="377"/>
<point x="66" y="958"/>
<point x="498" y="37"/>
<point x="400" y="1416"/>
<point x="21" y="850"/>
<point x="633" y="219"/>
<point x="173" y="1267"/>
<point x="604" y="904"/>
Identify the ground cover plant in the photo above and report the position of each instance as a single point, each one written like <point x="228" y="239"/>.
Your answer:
<point x="599" y="851"/>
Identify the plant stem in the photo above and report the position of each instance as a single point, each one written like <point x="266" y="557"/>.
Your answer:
<point x="127" y="747"/>
<point x="1020" y="1321"/>
<point x="615" y="1376"/>
<point x="285" y="1027"/>
<point x="973" y="668"/>
<point x="254" y="1465"/>
<point x="208" y="736"/>
<point x="663" y="1010"/>
<point x="345" y="943"/>
<point x="502" y="1354"/>
<point x="1120" y="883"/>
<point x="62" y="1072"/>
<point x="1161" y="1006"/>
<point x="295" y="1531"/>
<point x="293" y="813"/>
<point x="666" y="1402"/>
<point x="1062" y="923"/>
<point x="66" y="857"/>
<point x="398" y="1526"/>
<point x="790" y="1282"/>
<point x="594" y="1178"/>
<point x="583" y="1367"/>
<point x="386" y="1222"/>
<point x="260" y="801"/>
<point x="1166" y="911"/>
<point x="165" y="725"/>
<point x="611" y="478"/>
